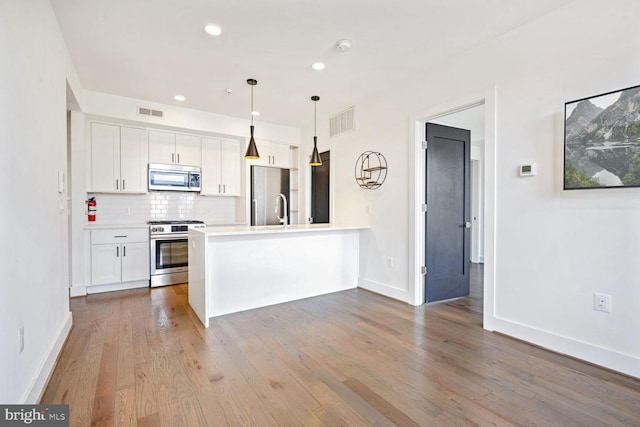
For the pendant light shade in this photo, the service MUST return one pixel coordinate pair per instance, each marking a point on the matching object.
(315, 157)
(252, 149)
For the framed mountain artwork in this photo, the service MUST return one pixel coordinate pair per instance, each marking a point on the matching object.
(602, 141)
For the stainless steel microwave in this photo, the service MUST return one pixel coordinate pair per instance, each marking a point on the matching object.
(174, 177)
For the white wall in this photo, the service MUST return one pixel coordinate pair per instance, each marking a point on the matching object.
(34, 238)
(553, 249)
(175, 118)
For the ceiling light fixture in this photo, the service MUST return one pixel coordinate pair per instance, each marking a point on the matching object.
(179, 98)
(252, 150)
(213, 29)
(318, 66)
(315, 157)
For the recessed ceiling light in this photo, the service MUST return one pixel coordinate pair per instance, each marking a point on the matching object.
(179, 98)
(255, 113)
(318, 66)
(213, 29)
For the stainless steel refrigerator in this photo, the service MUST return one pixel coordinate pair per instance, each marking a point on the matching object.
(266, 184)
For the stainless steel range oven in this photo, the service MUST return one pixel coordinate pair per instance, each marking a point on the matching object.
(169, 250)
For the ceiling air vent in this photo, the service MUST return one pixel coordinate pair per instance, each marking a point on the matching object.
(149, 112)
(342, 122)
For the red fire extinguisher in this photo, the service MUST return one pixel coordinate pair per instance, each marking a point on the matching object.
(91, 203)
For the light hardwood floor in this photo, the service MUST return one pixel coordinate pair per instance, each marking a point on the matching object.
(352, 358)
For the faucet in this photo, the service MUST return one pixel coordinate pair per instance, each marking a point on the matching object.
(284, 220)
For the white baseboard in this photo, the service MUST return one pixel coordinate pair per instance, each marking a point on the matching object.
(610, 359)
(117, 287)
(45, 370)
(383, 289)
(77, 291)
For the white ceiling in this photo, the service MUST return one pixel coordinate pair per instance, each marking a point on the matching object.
(155, 49)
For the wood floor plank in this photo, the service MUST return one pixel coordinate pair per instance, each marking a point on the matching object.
(125, 373)
(125, 410)
(145, 391)
(142, 358)
(383, 406)
(104, 401)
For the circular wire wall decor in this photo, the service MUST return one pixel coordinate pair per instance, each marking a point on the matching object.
(371, 170)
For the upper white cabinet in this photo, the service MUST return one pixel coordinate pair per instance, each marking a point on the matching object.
(273, 154)
(118, 159)
(220, 167)
(174, 148)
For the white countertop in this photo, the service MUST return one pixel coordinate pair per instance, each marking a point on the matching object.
(274, 229)
(114, 226)
(93, 226)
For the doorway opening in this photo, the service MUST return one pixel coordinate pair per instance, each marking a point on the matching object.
(447, 212)
(477, 109)
(320, 197)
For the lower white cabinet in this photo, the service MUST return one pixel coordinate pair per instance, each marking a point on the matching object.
(119, 256)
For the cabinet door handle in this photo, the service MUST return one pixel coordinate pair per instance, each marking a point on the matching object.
(124, 251)
(117, 187)
(224, 189)
(172, 158)
(117, 251)
(123, 185)
(123, 235)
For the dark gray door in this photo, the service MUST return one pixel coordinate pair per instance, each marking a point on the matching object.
(320, 190)
(447, 221)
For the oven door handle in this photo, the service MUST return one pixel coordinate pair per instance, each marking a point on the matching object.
(168, 236)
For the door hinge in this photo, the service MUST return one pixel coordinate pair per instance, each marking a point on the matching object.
(423, 270)
(424, 145)
(423, 207)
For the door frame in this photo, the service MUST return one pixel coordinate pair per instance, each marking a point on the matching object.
(417, 194)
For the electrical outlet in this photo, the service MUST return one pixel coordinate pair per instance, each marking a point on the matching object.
(21, 338)
(602, 302)
(127, 210)
(389, 262)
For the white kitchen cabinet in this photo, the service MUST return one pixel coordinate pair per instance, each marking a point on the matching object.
(174, 148)
(273, 154)
(118, 159)
(119, 256)
(220, 167)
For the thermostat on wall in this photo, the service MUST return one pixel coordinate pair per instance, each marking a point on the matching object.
(527, 169)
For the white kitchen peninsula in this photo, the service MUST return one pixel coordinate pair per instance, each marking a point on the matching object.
(239, 268)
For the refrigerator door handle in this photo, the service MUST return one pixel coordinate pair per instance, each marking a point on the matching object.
(255, 212)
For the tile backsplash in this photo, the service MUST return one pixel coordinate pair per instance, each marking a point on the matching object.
(164, 205)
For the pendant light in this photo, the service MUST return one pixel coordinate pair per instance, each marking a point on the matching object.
(252, 150)
(315, 157)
